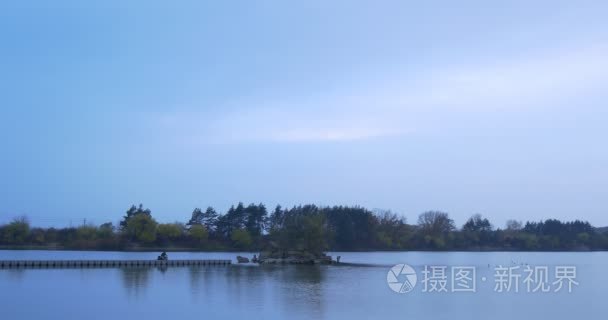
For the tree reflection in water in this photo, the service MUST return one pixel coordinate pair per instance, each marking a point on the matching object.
(291, 288)
(302, 289)
(135, 279)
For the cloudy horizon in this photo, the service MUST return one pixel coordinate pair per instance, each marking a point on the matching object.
(497, 109)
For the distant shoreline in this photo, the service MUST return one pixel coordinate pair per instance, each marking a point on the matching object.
(182, 249)
(309, 228)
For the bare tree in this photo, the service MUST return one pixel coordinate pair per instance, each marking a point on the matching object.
(514, 225)
(435, 222)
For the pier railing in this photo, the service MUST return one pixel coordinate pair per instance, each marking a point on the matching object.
(11, 264)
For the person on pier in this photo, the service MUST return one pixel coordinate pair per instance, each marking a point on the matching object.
(163, 256)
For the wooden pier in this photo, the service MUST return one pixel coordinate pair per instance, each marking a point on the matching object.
(45, 264)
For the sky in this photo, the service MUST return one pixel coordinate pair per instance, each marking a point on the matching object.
(490, 107)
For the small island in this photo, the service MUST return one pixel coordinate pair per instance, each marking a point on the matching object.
(294, 257)
(288, 257)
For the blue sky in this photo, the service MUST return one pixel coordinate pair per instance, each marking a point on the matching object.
(466, 107)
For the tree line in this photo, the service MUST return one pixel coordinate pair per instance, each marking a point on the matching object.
(307, 227)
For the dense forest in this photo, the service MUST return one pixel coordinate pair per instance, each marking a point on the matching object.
(306, 227)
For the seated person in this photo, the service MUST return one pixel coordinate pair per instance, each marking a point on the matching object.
(163, 256)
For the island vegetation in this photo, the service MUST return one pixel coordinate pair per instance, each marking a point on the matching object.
(308, 228)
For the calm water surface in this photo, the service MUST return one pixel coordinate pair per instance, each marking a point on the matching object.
(294, 292)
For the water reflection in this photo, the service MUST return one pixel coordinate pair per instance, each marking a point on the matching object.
(286, 289)
(135, 280)
(162, 268)
(16, 274)
(291, 289)
(302, 289)
(294, 292)
(201, 280)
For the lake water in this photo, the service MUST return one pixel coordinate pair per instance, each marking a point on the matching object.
(299, 292)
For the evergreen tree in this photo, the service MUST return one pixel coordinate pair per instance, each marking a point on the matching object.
(132, 212)
(196, 218)
(210, 217)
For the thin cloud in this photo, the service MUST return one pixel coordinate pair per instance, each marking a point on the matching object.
(543, 78)
(400, 105)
